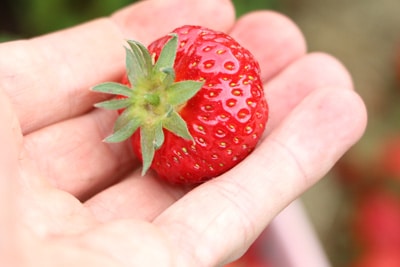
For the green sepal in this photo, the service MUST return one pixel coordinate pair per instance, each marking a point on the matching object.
(124, 127)
(114, 104)
(180, 92)
(114, 88)
(147, 140)
(138, 62)
(170, 76)
(167, 56)
(152, 99)
(159, 137)
(147, 59)
(175, 124)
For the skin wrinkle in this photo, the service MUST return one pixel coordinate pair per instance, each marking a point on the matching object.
(140, 195)
(103, 257)
(183, 255)
(190, 254)
(201, 253)
(99, 207)
(57, 159)
(228, 190)
(289, 154)
(79, 241)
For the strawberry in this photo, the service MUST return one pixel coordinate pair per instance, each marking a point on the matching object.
(197, 98)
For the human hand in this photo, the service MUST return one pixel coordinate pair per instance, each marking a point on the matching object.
(70, 199)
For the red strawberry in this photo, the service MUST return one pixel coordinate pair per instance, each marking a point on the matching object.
(197, 97)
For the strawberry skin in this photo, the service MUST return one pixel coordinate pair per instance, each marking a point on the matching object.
(193, 106)
(226, 117)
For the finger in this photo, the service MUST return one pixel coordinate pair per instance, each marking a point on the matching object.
(135, 197)
(151, 19)
(273, 39)
(48, 77)
(72, 155)
(126, 243)
(10, 143)
(53, 72)
(303, 76)
(240, 203)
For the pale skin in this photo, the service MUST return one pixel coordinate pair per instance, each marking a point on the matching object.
(69, 199)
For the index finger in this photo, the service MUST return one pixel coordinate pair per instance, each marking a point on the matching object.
(48, 77)
(241, 202)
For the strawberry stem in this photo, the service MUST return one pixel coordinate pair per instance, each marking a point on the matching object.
(152, 99)
(153, 102)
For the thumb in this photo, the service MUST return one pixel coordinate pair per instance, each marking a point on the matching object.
(10, 144)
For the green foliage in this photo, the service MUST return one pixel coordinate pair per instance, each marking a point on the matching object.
(245, 6)
(42, 16)
(35, 17)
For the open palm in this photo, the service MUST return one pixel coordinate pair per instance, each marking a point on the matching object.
(69, 198)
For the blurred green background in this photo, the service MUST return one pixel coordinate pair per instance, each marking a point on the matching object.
(20, 18)
(363, 34)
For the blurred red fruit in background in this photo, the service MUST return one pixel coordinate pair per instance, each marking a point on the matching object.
(376, 221)
(389, 162)
(382, 258)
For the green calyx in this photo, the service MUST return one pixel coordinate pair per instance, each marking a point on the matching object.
(153, 102)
